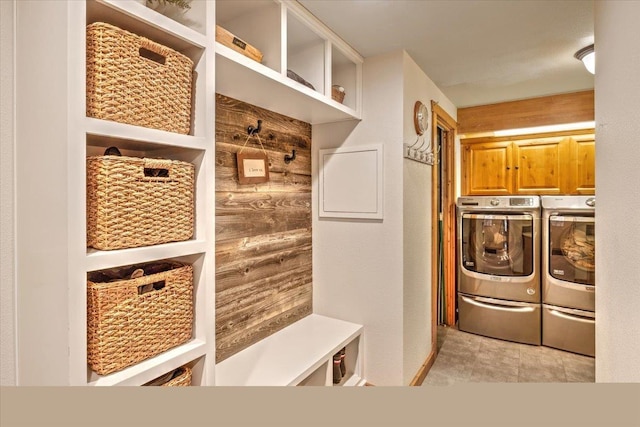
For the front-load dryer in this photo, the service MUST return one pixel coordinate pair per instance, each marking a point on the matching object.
(568, 273)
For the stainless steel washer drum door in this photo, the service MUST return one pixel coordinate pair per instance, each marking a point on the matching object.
(498, 255)
(498, 244)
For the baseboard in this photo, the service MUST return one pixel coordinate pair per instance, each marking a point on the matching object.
(424, 369)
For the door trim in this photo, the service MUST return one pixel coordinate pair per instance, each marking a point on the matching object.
(440, 118)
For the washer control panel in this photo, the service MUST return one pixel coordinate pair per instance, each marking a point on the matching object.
(521, 201)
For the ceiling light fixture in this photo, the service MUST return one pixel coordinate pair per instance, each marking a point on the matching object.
(588, 58)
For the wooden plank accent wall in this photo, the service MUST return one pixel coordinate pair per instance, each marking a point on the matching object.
(263, 231)
(546, 110)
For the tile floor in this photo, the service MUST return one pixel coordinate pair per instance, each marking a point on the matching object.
(470, 358)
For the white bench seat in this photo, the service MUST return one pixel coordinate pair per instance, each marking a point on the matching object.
(300, 353)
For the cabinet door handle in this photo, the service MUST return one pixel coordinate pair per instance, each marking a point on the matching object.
(508, 168)
(517, 167)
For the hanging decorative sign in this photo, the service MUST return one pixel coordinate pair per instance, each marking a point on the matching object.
(252, 168)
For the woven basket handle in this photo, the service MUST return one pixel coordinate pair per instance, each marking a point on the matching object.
(154, 52)
(157, 169)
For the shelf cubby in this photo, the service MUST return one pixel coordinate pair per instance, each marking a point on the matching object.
(143, 21)
(152, 368)
(290, 38)
(306, 53)
(196, 347)
(319, 377)
(344, 73)
(256, 22)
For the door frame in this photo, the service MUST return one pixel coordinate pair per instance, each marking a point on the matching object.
(440, 118)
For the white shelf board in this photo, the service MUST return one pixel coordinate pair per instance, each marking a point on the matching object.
(146, 22)
(242, 78)
(152, 368)
(106, 133)
(99, 260)
(288, 356)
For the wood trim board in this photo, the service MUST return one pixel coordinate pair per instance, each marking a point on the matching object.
(424, 369)
(547, 110)
(441, 118)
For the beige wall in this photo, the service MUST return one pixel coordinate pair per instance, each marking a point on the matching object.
(357, 264)
(617, 89)
(7, 251)
(417, 220)
(377, 273)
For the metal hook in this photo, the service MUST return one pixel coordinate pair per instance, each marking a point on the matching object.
(418, 149)
(290, 158)
(426, 150)
(254, 131)
(417, 139)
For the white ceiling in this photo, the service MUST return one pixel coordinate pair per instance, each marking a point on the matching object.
(476, 51)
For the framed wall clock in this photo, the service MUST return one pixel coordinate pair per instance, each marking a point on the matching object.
(420, 117)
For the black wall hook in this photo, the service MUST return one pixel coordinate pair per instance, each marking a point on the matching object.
(290, 158)
(252, 131)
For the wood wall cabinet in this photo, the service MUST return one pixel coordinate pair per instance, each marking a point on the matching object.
(537, 166)
(543, 165)
(583, 164)
(486, 168)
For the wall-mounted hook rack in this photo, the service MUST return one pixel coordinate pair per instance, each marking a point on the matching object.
(290, 158)
(419, 154)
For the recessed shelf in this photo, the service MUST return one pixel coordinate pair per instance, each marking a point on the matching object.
(319, 377)
(99, 260)
(344, 73)
(152, 368)
(104, 133)
(256, 22)
(242, 78)
(306, 53)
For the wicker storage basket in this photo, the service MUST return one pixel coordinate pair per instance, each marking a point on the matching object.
(130, 320)
(337, 94)
(133, 202)
(133, 80)
(180, 377)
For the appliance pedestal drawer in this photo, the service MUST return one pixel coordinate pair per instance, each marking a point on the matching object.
(507, 320)
(569, 329)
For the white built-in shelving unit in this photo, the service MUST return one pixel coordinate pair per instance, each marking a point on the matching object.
(290, 37)
(73, 137)
(54, 138)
